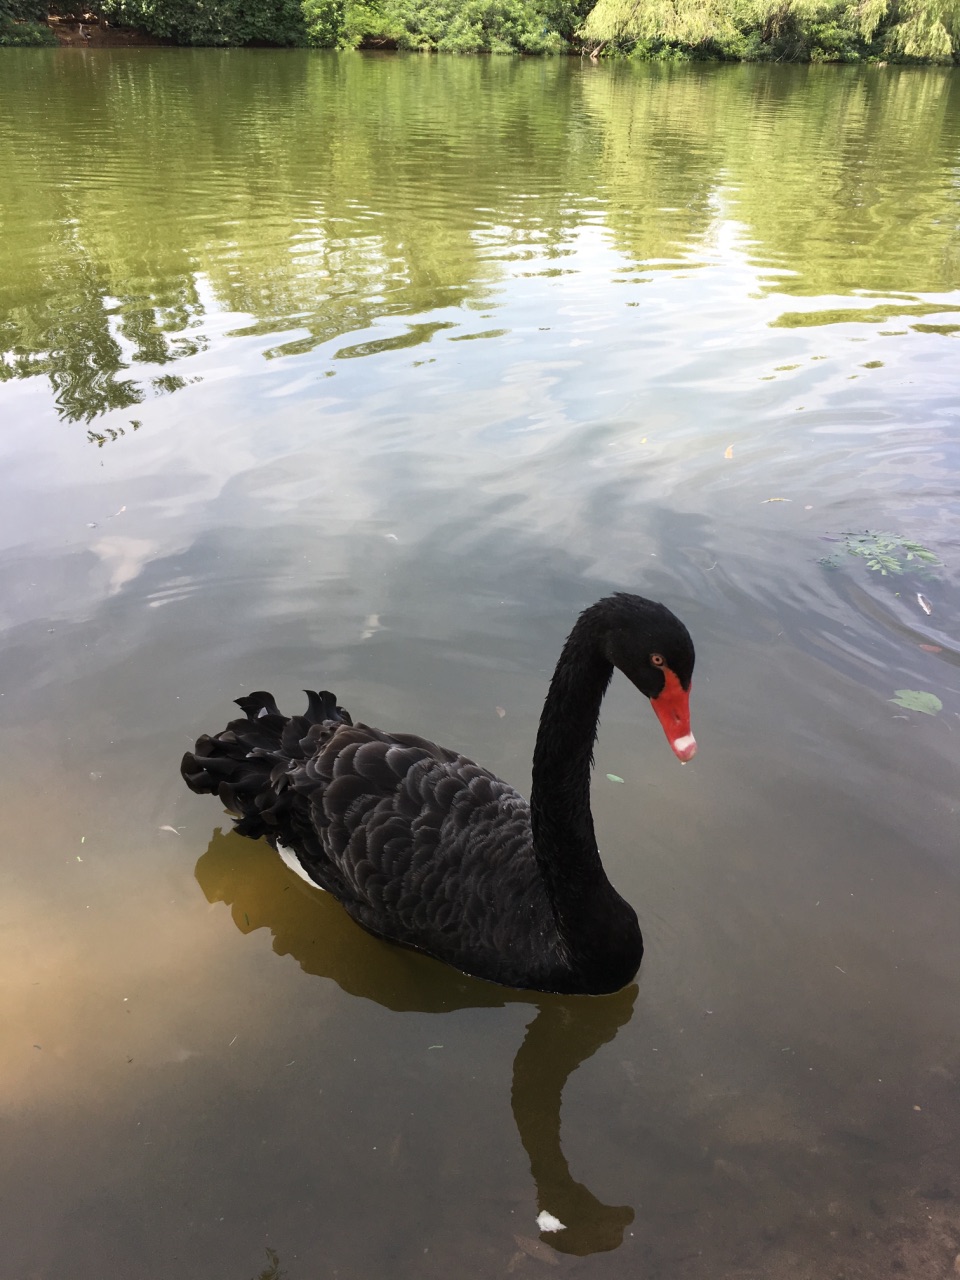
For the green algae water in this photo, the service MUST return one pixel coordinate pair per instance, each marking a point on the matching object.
(369, 372)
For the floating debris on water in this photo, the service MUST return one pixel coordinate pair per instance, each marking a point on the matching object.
(547, 1222)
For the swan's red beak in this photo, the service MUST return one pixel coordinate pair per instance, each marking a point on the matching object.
(673, 711)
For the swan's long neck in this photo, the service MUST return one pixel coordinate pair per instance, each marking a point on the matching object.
(563, 837)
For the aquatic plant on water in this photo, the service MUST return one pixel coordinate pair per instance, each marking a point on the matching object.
(885, 553)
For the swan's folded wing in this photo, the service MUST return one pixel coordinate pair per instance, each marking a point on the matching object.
(427, 848)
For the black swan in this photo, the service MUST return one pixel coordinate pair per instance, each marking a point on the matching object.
(425, 848)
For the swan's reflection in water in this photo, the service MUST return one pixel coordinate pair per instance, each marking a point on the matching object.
(566, 1031)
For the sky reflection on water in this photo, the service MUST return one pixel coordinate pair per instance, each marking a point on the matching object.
(711, 319)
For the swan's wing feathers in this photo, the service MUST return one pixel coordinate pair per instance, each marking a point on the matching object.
(428, 848)
(420, 844)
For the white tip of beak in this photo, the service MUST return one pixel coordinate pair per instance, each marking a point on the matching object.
(684, 748)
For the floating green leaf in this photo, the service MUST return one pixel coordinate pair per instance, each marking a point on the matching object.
(614, 777)
(918, 700)
(885, 553)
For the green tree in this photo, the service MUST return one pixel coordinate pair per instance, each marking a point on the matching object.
(796, 29)
(23, 22)
(22, 11)
(689, 22)
(219, 22)
(928, 29)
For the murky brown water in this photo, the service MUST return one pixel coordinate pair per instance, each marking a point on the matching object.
(370, 373)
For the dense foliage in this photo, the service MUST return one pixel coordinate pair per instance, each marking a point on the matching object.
(22, 11)
(748, 30)
(457, 26)
(448, 26)
(217, 22)
(26, 34)
(21, 23)
(781, 30)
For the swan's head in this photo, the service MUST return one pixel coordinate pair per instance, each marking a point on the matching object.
(653, 649)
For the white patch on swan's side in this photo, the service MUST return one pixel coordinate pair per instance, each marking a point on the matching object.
(547, 1222)
(293, 862)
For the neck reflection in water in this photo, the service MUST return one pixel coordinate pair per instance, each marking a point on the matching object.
(565, 1032)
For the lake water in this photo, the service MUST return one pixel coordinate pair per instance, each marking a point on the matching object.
(370, 372)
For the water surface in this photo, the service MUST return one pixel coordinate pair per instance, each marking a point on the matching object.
(370, 372)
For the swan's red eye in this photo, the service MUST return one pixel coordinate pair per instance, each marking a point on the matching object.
(657, 659)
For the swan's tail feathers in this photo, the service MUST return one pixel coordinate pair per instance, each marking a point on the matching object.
(249, 762)
(323, 706)
(259, 703)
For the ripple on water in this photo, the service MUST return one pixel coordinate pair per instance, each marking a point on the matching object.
(369, 373)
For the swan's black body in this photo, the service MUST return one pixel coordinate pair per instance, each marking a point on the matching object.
(427, 849)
